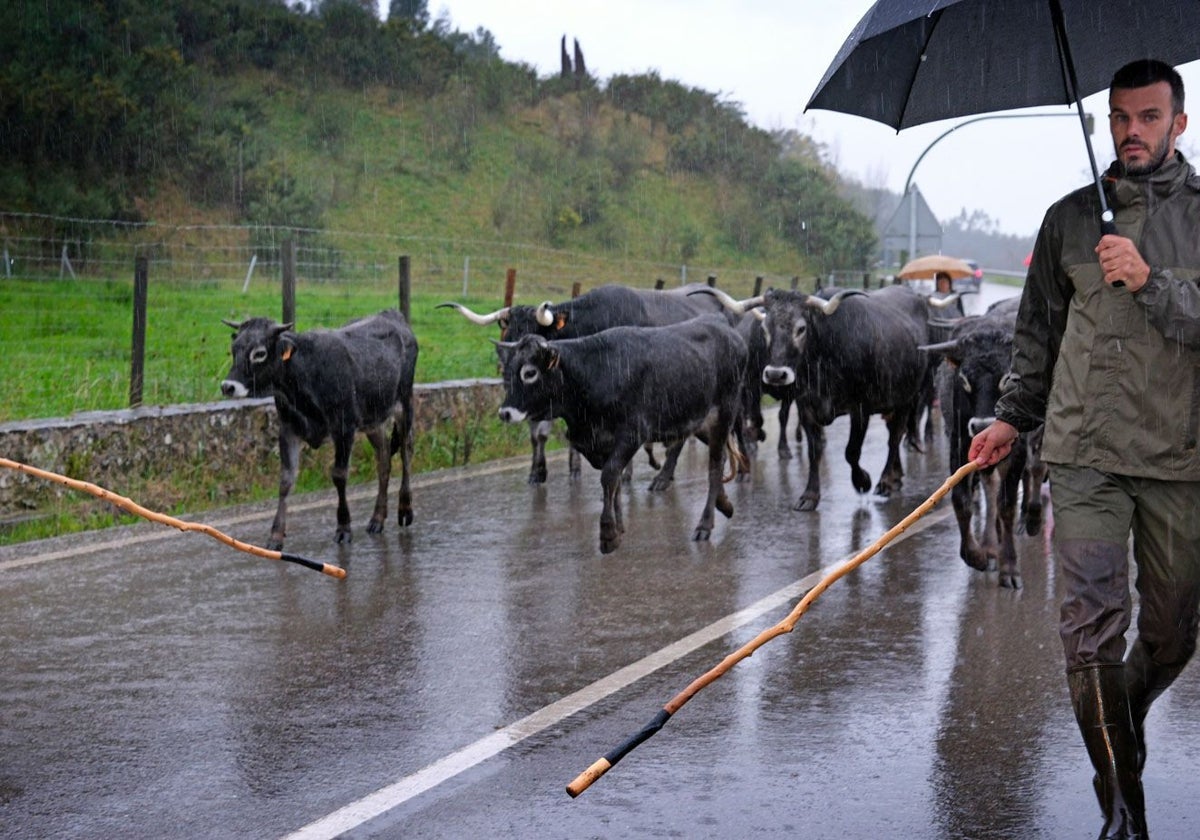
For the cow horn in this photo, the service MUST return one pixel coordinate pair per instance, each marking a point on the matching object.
(474, 318)
(828, 307)
(732, 304)
(545, 314)
(942, 303)
(234, 324)
(504, 345)
(940, 347)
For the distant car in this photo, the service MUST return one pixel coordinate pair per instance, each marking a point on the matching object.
(971, 284)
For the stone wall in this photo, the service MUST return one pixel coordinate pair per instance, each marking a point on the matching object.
(117, 449)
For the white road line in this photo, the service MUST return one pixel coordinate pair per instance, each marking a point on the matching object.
(386, 798)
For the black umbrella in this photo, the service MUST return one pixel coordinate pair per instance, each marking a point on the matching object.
(910, 62)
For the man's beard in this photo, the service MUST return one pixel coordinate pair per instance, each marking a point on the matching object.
(1157, 156)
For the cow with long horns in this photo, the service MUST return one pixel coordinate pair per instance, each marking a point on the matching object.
(331, 384)
(854, 353)
(626, 386)
(975, 359)
(591, 312)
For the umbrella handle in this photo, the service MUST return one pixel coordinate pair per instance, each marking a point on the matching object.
(1107, 226)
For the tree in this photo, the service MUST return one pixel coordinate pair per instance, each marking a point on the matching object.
(415, 12)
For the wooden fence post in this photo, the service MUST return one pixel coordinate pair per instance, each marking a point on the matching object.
(757, 286)
(510, 286)
(288, 264)
(405, 289)
(141, 277)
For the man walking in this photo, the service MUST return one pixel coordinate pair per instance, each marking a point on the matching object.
(1107, 354)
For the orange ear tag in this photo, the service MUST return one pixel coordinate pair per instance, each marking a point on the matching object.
(287, 352)
(560, 321)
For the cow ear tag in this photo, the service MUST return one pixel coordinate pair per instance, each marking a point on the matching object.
(287, 351)
(560, 321)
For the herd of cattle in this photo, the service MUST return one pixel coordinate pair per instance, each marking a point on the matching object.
(626, 368)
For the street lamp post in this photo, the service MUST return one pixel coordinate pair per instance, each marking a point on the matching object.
(911, 194)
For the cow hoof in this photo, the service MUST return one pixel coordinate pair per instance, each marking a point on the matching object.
(785, 454)
(537, 478)
(807, 503)
(343, 537)
(274, 544)
(404, 518)
(1010, 580)
(861, 480)
(701, 534)
(657, 485)
(886, 489)
(374, 527)
(1033, 521)
(609, 546)
(979, 561)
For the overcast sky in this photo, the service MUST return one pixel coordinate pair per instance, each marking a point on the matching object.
(769, 55)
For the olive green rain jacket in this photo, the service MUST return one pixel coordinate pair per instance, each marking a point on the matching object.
(1115, 375)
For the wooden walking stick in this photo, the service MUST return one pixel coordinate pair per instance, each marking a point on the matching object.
(601, 766)
(136, 509)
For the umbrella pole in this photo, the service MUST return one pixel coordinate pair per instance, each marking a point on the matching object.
(1072, 83)
(602, 765)
(133, 507)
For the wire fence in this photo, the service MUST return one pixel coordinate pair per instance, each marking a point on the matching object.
(67, 287)
(39, 246)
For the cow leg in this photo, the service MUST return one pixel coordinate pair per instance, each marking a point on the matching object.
(892, 477)
(289, 462)
(962, 497)
(402, 441)
(1006, 514)
(611, 525)
(383, 472)
(342, 444)
(811, 497)
(859, 477)
(664, 478)
(539, 432)
(785, 410)
(648, 448)
(717, 500)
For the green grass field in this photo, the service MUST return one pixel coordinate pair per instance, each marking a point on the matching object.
(67, 344)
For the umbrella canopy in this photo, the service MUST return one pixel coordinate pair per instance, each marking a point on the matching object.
(909, 63)
(926, 268)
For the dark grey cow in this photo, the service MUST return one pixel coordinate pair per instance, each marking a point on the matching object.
(627, 386)
(331, 384)
(591, 312)
(855, 353)
(974, 360)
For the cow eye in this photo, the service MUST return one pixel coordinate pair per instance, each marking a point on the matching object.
(529, 374)
(258, 355)
(966, 383)
(798, 333)
(766, 331)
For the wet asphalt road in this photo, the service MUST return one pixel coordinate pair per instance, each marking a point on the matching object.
(158, 684)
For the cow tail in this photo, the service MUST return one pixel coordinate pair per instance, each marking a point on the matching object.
(738, 462)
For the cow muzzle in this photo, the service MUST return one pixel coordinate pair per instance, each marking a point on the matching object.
(508, 414)
(233, 389)
(778, 375)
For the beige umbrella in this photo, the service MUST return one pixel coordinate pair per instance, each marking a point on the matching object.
(926, 268)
